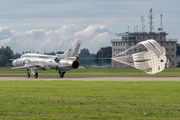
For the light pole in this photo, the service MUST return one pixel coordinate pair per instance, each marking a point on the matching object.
(99, 55)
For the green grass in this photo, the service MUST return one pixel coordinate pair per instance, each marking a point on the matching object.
(89, 100)
(90, 72)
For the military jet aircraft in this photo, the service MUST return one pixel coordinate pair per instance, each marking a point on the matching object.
(61, 62)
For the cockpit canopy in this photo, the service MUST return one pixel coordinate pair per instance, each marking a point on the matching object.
(37, 56)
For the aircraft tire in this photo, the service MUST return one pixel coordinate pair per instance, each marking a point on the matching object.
(28, 75)
(61, 74)
(36, 75)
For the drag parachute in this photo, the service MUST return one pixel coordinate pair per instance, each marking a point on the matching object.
(147, 56)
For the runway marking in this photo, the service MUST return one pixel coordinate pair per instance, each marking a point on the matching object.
(94, 78)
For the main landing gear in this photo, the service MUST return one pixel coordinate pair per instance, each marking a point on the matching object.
(36, 75)
(33, 71)
(28, 74)
(61, 74)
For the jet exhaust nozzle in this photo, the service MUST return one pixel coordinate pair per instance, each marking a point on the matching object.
(75, 64)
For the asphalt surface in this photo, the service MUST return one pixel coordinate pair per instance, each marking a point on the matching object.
(96, 78)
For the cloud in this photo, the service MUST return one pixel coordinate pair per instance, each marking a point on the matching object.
(93, 37)
(4, 33)
(92, 30)
(23, 15)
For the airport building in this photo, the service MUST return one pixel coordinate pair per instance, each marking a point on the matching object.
(129, 39)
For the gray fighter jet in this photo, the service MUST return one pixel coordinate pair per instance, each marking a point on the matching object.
(61, 62)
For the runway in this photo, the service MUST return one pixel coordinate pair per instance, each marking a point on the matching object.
(94, 78)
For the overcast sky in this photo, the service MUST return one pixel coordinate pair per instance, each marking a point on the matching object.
(52, 25)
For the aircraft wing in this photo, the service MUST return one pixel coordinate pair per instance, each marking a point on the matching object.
(29, 67)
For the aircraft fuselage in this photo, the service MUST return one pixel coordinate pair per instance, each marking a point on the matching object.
(43, 61)
(61, 62)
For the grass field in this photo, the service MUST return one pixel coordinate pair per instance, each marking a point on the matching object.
(89, 100)
(89, 72)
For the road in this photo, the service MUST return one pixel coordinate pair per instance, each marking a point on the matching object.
(96, 78)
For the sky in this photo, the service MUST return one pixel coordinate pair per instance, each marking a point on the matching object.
(53, 25)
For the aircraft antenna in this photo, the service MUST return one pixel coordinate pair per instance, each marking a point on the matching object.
(136, 28)
(142, 19)
(161, 24)
(151, 23)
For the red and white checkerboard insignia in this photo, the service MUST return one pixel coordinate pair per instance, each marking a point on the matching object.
(73, 47)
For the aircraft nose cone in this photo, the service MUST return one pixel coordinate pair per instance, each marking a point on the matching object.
(14, 63)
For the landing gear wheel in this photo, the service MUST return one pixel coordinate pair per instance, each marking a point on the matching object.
(61, 74)
(36, 75)
(28, 75)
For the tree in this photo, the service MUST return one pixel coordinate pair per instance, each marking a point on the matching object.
(59, 52)
(3, 60)
(106, 54)
(5, 55)
(84, 53)
(178, 49)
(17, 55)
(85, 57)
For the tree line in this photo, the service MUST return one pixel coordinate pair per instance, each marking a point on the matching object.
(101, 58)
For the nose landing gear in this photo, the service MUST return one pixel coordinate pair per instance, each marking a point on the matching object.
(33, 72)
(28, 75)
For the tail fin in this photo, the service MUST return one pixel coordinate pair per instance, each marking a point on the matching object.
(73, 50)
